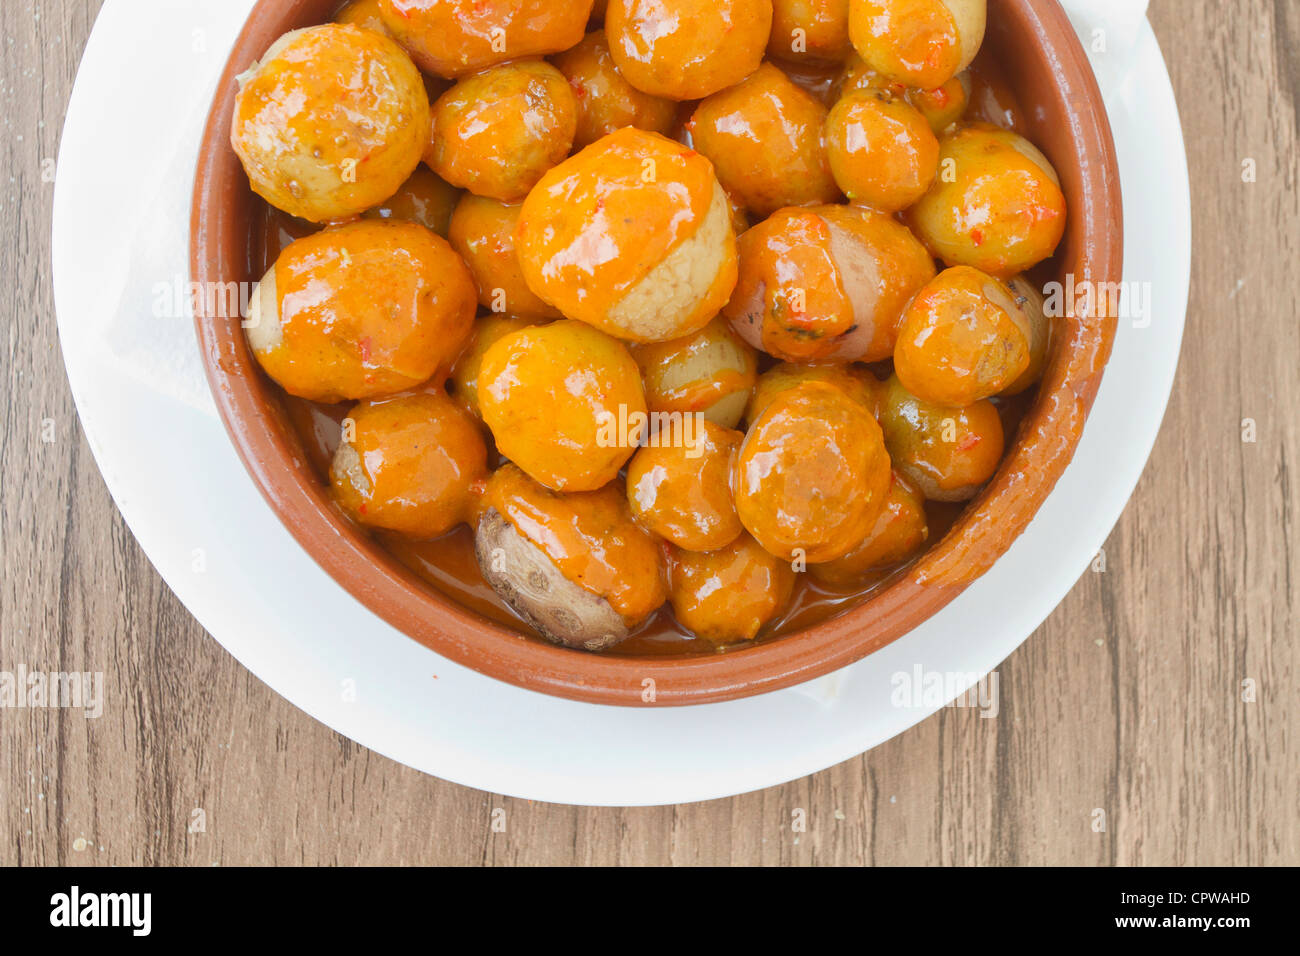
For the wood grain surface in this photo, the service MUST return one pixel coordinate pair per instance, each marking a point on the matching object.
(1128, 700)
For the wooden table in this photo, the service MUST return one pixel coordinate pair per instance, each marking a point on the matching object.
(1127, 700)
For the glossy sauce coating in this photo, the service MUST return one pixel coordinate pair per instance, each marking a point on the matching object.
(814, 31)
(412, 463)
(599, 224)
(729, 595)
(606, 101)
(711, 372)
(687, 49)
(497, 132)
(681, 489)
(337, 340)
(941, 106)
(914, 42)
(1003, 210)
(482, 231)
(812, 475)
(881, 150)
(557, 397)
(331, 122)
(464, 373)
(899, 533)
(948, 453)
(963, 338)
(424, 198)
(764, 138)
(363, 13)
(591, 538)
(453, 38)
(855, 381)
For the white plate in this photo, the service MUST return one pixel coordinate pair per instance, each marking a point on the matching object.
(121, 214)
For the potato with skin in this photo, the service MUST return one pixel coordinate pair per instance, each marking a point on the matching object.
(941, 106)
(897, 535)
(363, 13)
(856, 381)
(963, 338)
(464, 372)
(424, 198)
(947, 453)
(1029, 297)
(633, 236)
(826, 283)
(810, 31)
(317, 328)
(453, 38)
(681, 489)
(330, 122)
(881, 150)
(482, 231)
(411, 463)
(556, 396)
(687, 49)
(727, 596)
(575, 566)
(812, 474)
(919, 43)
(606, 100)
(497, 132)
(764, 138)
(1002, 210)
(711, 372)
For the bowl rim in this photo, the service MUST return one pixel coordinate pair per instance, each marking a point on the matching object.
(271, 454)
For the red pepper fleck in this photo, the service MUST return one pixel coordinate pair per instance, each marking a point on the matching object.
(977, 237)
(363, 346)
(969, 442)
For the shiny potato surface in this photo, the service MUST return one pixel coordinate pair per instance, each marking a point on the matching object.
(826, 283)
(997, 204)
(495, 133)
(687, 49)
(881, 150)
(482, 231)
(812, 474)
(764, 138)
(680, 488)
(727, 596)
(1029, 297)
(453, 38)
(920, 43)
(606, 101)
(941, 106)
(424, 198)
(856, 381)
(363, 13)
(331, 122)
(633, 236)
(411, 463)
(948, 453)
(556, 397)
(898, 534)
(319, 330)
(711, 371)
(464, 372)
(810, 31)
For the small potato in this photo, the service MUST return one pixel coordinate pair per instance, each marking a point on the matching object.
(963, 338)
(711, 372)
(411, 463)
(564, 402)
(687, 49)
(728, 595)
(827, 283)
(681, 489)
(482, 231)
(856, 381)
(464, 373)
(453, 38)
(919, 43)
(897, 535)
(363, 13)
(606, 101)
(317, 328)
(810, 31)
(882, 151)
(948, 453)
(575, 566)
(1029, 297)
(331, 122)
(941, 106)
(424, 198)
(764, 138)
(497, 132)
(633, 236)
(1001, 210)
(812, 474)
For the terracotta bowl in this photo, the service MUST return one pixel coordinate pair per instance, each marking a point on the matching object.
(1043, 63)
